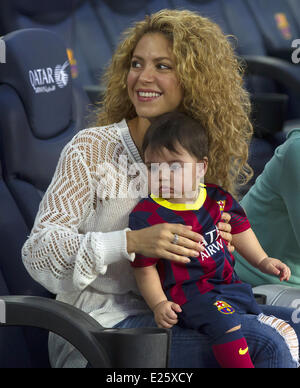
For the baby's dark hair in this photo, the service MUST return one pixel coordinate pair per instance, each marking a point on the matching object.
(173, 128)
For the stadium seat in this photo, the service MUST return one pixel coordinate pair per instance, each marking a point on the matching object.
(279, 28)
(295, 9)
(20, 347)
(277, 24)
(116, 16)
(281, 295)
(76, 22)
(212, 9)
(41, 109)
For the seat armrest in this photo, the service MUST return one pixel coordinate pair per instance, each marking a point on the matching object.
(102, 348)
(72, 324)
(277, 69)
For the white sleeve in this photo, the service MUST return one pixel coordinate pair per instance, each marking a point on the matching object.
(55, 254)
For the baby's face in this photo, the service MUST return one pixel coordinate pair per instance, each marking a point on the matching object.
(174, 175)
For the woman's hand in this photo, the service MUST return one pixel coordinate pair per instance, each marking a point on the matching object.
(157, 241)
(165, 314)
(225, 230)
(275, 267)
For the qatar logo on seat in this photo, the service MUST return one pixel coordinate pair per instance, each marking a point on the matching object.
(46, 80)
(60, 75)
(2, 51)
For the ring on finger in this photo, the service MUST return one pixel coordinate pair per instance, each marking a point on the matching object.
(175, 239)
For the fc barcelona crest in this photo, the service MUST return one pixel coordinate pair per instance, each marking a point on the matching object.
(221, 205)
(224, 307)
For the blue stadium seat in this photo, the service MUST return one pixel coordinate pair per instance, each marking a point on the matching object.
(41, 109)
(75, 21)
(156, 5)
(212, 9)
(279, 28)
(295, 9)
(116, 16)
(20, 347)
(277, 24)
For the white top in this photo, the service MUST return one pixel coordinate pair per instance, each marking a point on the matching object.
(77, 247)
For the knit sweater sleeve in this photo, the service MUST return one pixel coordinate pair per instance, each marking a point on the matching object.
(56, 254)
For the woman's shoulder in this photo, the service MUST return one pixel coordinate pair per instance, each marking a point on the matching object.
(107, 133)
(96, 144)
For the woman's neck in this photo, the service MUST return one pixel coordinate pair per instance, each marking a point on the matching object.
(138, 128)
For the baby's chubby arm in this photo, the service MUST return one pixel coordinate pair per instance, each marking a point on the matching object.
(150, 287)
(248, 246)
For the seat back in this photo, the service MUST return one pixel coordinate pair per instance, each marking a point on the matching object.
(74, 21)
(208, 8)
(279, 28)
(116, 16)
(19, 347)
(277, 24)
(40, 109)
(295, 9)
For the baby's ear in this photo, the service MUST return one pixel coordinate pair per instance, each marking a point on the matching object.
(202, 167)
(205, 162)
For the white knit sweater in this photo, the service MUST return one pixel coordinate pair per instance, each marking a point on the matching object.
(77, 247)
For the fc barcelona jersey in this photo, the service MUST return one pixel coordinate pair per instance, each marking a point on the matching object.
(214, 267)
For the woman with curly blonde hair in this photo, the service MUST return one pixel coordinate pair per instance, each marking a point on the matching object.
(210, 77)
(80, 247)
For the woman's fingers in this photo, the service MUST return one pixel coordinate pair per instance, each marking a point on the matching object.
(186, 232)
(225, 230)
(226, 217)
(186, 237)
(226, 236)
(172, 257)
(185, 247)
(160, 241)
(230, 247)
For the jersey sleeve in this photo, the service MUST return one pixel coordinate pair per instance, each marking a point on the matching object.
(136, 222)
(239, 221)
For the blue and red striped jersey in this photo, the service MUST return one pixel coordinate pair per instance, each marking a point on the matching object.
(215, 265)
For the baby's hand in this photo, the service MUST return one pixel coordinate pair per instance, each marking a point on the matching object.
(272, 266)
(165, 314)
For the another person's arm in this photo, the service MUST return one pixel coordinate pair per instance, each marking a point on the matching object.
(289, 188)
(156, 241)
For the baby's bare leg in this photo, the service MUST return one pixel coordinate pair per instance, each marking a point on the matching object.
(234, 329)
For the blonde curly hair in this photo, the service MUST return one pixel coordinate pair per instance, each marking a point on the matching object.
(211, 77)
